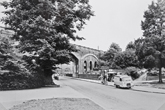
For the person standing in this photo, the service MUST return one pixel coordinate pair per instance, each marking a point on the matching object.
(103, 77)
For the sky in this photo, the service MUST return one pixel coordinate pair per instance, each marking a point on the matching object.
(117, 21)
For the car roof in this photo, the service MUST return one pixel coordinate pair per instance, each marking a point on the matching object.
(122, 76)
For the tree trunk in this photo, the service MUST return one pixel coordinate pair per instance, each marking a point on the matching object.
(49, 80)
(160, 75)
(160, 70)
(48, 76)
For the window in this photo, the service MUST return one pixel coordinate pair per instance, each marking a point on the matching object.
(95, 64)
(90, 65)
(85, 66)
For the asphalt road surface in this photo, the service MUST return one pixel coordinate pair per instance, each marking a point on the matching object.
(111, 98)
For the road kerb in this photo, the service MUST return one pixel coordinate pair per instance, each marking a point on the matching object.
(134, 89)
(142, 90)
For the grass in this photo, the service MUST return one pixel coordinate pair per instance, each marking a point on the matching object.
(154, 77)
(154, 84)
(58, 104)
(158, 85)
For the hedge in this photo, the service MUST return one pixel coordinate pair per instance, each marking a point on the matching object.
(13, 81)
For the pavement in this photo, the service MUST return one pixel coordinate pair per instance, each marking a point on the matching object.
(134, 88)
(14, 97)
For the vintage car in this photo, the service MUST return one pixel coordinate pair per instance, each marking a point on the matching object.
(123, 81)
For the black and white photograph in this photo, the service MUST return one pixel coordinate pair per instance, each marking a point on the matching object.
(82, 54)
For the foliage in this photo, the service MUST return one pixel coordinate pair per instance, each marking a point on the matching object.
(149, 62)
(133, 72)
(44, 28)
(115, 47)
(6, 57)
(139, 51)
(14, 81)
(103, 63)
(13, 71)
(125, 59)
(146, 55)
(16, 75)
(131, 46)
(110, 54)
(117, 59)
(153, 43)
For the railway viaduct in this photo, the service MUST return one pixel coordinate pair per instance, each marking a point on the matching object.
(85, 60)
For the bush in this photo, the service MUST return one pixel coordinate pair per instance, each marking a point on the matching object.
(15, 71)
(17, 81)
(11, 66)
(132, 71)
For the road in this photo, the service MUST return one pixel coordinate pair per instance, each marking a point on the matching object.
(111, 98)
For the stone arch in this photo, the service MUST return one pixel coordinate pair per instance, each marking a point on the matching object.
(75, 63)
(75, 55)
(89, 55)
(90, 60)
(80, 59)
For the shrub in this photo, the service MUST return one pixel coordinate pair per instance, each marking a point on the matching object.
(13, 81)
(132, 71)
(11, 65)
(15, 72)
(22, 78)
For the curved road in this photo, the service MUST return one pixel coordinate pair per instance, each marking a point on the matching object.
(111, 98)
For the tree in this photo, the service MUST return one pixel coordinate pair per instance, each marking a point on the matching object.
(14, 72)
(125, 59)
(144, 54)
(153, 28)
(44, 28)
(5, 50)
(118, 61)
(130, 45)
(110, 54)
(103, 63)
(115, 47)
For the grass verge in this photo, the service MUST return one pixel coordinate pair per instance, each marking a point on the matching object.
(58, 104)
(153, 84)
